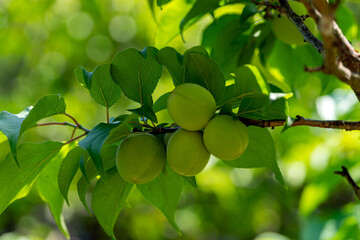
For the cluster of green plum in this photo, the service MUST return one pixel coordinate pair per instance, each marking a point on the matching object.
(142, 156)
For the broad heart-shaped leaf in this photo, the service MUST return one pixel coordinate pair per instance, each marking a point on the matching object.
(194, 67)
(48, 189)
(16, 182)
(137, 73)
(161, 102)
(260, 152)
(164, 193)
(100, 85)
(68, 169)
(10, 125)
(200, 8)
(47, 106)
(94, 141)
(108, 199)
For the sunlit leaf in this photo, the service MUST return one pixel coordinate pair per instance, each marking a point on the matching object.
(48, 189)
(199, 9)
(16, 182)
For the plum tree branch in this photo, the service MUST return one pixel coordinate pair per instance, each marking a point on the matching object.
(298, 121)
(340, 58)
(345, 173)
(301, 121)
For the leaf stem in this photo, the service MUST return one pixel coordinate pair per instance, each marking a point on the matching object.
(107, 115)
(76, 138)
(345, 173)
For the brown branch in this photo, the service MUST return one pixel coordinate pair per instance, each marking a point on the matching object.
(340, 58)
(301, 121)
(345, 173)
(300, 25)
(298, 121)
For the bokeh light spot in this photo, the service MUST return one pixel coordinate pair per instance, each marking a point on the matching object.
(99, 48)
(80, 25)
(122, 28)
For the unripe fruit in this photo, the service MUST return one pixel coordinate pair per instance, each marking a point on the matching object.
(191, 106)
(167, 138)
(186, 153)
(140, 158)
(286, 31)
(226, 138)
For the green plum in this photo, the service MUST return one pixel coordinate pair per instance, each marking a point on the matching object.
(191, 106)
(140, 158)
(186, 153)
(286, 31)
(226, 138)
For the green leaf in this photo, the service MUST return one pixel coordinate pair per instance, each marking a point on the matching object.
(83, 77)
(68, 169)
(175, 62)
(265, 107)
(82, 187)
(146, 111)
(49, 191)
(194, 67)
(205, 72)
(122, 130)
(16, 182)
(260, 152)
(191, 181)
(47, 106)
(161, 102)
(164, 193)
(162, 2)
(249, 11)
(199, 9)
(137, 73)
(106, 207)
(93, 142)
(102, 88)
(167, 21)
(10, 125)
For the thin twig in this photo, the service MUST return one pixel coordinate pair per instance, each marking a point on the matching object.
(76, 138)
(72, 118)
(345, 173)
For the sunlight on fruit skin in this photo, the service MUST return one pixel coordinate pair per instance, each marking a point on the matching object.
(186, 153)
(191, 106)
(286, 31)
(140, 158)
(226, 138)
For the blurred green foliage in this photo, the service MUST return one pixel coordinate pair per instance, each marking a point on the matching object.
(43, 41)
